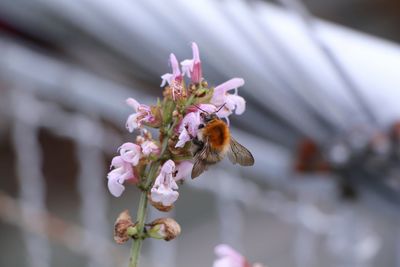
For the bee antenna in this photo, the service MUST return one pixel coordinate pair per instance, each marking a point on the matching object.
(201, 109)
(220, 108)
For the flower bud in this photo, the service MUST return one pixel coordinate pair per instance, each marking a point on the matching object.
(164, 228)
(204, 84)
(123, 227)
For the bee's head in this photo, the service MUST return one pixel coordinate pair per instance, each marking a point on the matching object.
(208, 116)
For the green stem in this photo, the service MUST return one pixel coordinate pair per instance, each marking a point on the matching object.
(142, 209)
(150, 177)
(137, 243)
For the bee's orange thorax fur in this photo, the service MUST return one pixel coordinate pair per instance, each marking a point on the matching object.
(218, 135)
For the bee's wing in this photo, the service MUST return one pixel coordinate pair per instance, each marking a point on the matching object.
(239, 154)
(200, 161)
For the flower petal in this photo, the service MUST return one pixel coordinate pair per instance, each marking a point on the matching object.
(238, 102)
(149, 147)
(229, 85)
(210, 108)
(133, 103)
(116, 162)
(131, 153)
(175, 65)
(196, 54)
(183, 170)
(164, 195)
(228, 257)
(115, 187)
(187, 66)
(168, 167)
(166, 78)
(183, 138)
(131, 122)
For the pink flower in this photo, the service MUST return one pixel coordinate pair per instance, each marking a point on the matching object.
(164, 187)
(122, 171)
(228, 257)
(192, 67)
(173, 79)
(131, 153)
(183, 170)
(231, 102)
(188, 128)
(176, 73)
(142, 115)
(190, 124)
(149, 147)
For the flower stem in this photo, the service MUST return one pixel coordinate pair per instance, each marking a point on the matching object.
(137, 243)
(141, 217)
(142, 209)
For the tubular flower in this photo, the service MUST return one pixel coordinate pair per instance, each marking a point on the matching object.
(229, 257)
(143, 115)
(131, 153)
(163, 193)
(190, 124)
(122, 171)
(188, 128)
(231, 102)
(176, 73)
(192, 67)
(173, 79)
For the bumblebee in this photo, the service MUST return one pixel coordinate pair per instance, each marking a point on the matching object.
(213, 142)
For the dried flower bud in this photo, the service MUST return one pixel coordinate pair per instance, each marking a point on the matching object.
(164, 228)
(123, 227)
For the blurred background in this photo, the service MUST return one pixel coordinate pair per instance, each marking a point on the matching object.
(322, 120)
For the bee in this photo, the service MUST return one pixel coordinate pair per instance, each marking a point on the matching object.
(213, 142)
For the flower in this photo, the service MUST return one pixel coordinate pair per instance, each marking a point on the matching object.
(192, 67)
(228, 257)
(173, 79)
(188, 128)
(143, 115)
(176, 73)
(164, 228)
(190, 124)
(230, 101)
(183, 170)
(131, 153)
(149, 147)
(123, 171)
(163, 193)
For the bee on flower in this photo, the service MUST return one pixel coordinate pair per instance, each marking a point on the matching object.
(192, 121)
